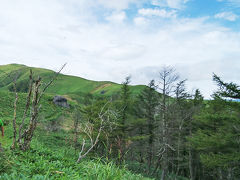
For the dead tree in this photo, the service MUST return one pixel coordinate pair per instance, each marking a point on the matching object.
(35, 93)
(77, 118)
(28, 99)
(13, 76)
(15, 113)
(167, 80)
(91, 133)
(28, 133)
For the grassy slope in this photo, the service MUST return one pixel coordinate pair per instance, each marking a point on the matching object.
(52, 155)
(65, 84)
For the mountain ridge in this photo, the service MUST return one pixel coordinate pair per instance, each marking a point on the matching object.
(64, 85)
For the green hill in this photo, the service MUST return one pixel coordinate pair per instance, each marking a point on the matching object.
(64, 85)
(52, 155)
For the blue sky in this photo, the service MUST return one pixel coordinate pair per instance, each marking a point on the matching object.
(224, 12)
(110, 39)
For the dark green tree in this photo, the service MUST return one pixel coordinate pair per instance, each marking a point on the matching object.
(217, 134)
(125, 101)
(230, 90)
(194, 165)
(121, 133)
(147, 108)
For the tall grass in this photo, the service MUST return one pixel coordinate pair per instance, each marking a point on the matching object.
(42, 163)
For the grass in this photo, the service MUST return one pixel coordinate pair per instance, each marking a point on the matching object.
(43, 163)
(51, 155)
(65, 84)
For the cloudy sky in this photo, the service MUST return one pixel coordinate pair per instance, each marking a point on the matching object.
(110, 39)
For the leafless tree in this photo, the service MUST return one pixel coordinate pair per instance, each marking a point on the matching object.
(35, 93)
(28, 99)
(167, 82)
(13, 76)
(15, 112)
(92, 133)
(77, 118)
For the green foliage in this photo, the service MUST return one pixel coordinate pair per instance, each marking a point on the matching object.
(4, 165)
(143, 168)
(217, 135)
(202, 141)
(52, 155)
(43, 163)
(230, 90)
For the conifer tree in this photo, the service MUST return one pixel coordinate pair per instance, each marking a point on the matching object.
(125, 100)
(230, 90)
(167, 81)
(217, 133)
(121, 134)
(148, 102)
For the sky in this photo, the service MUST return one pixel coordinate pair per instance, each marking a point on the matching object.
(111, 39)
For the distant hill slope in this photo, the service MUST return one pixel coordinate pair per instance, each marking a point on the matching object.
(64, 85)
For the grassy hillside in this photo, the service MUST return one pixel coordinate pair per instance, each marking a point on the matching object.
(52, 155)
(64, 85)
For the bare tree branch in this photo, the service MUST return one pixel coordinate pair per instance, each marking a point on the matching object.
(15, 113)
(27, 105)
(88, 130)
(50, 82)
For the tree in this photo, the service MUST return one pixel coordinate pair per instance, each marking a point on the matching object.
(167, 80)
(125, 95)
(77, 117)
(217, 138)
(230, 90)
(93, 126)
(148, 101)
(13, 77)
(123, 113)
(33, 100)
(179, 113)
(217, 133)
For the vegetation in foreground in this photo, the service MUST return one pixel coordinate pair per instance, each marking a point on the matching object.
(44, 162)
(52, 155)
(114, 133)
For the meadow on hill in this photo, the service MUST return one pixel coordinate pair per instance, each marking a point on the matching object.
(52, 155)
(117, 131)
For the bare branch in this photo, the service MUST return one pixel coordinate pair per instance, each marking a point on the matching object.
(88, 130)
(27, 105)
(15, 113)
(50, 82)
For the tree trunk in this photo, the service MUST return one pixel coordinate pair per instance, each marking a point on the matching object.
(164, 134)
(15, 116)
(190, 164)
(26, 107)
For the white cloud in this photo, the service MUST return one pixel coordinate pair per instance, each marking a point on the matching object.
(157, 12)
(48, 33)
(117, 4)
(230, 16)
(234, 3)
(140, 21)
(175, 4)
(117, 17)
